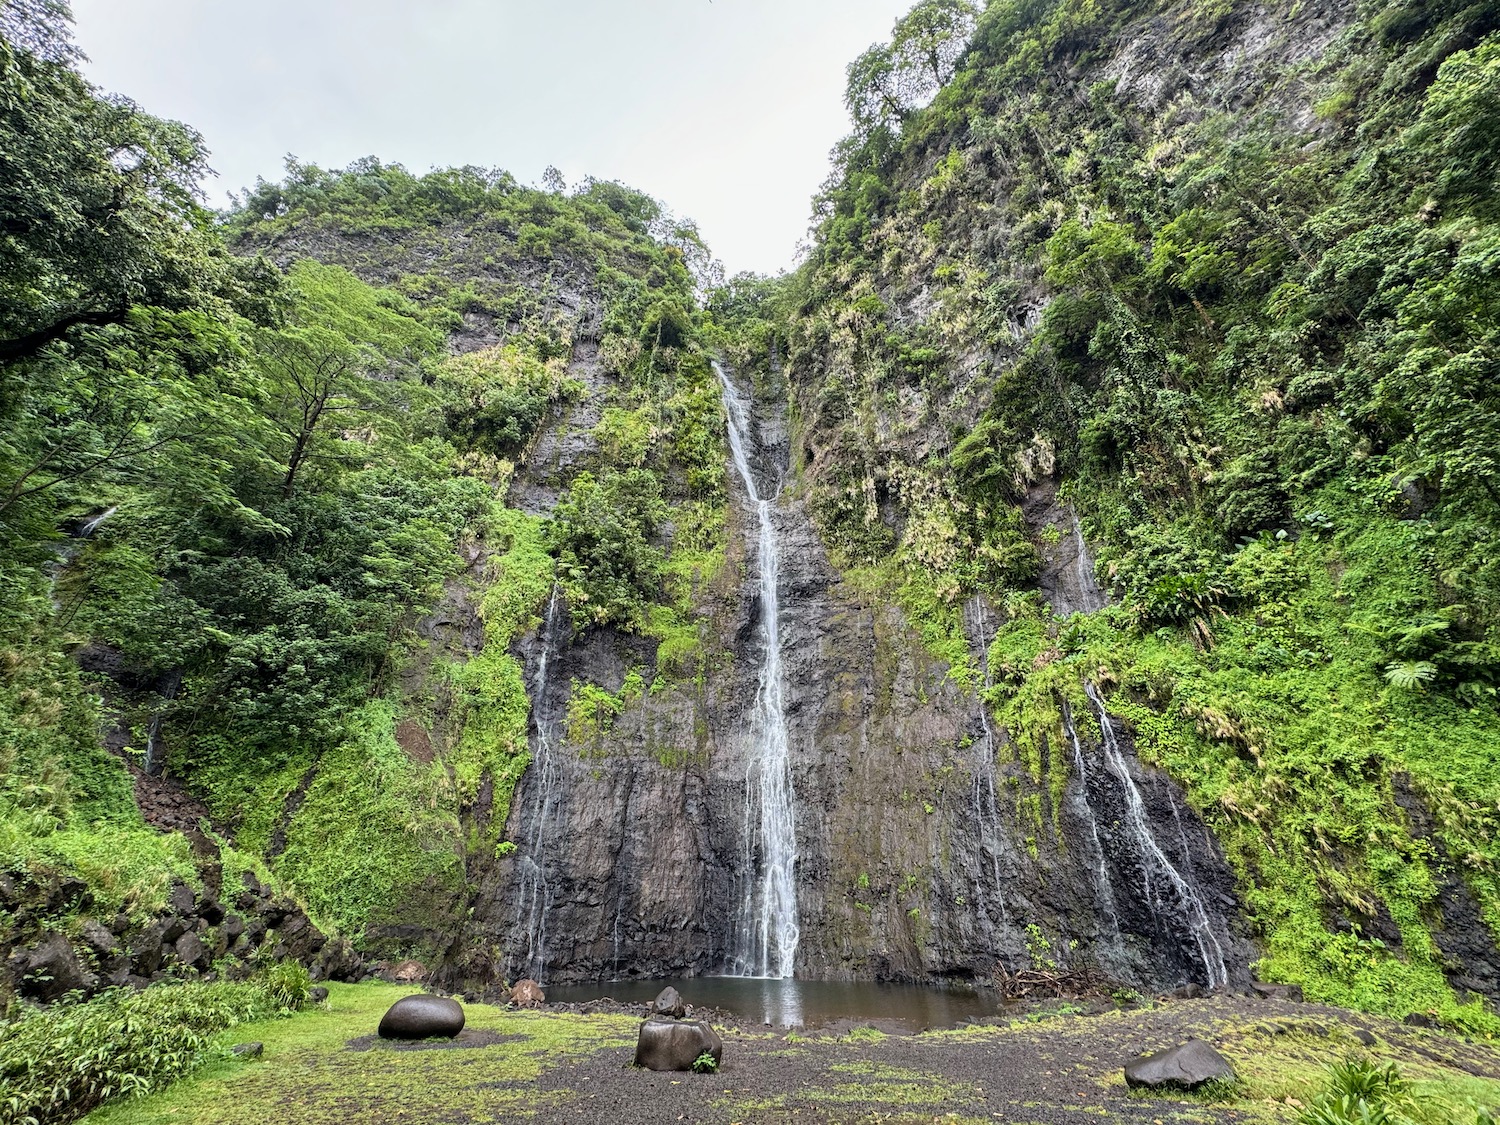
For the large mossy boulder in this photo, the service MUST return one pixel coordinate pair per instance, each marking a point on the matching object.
(676, 1044)
(423, 1017)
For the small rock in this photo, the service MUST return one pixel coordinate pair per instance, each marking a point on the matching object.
(317, 995)
(527, 994)
(1419, 1019)
(1188, 992)
(422, 1017)
(1267, 991)
(669, 1003)
(98, 938)
(181, 898)
(248, 1050)
(1186, 1067)
(676, 1044)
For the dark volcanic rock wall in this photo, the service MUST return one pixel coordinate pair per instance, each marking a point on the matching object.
(916, 858)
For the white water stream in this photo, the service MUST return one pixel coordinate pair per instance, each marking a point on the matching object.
(535, 894)
(1189, 904)
(1085, 812)
(768, 930)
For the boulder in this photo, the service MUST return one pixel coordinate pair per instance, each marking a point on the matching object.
(338, 961)
(50, 970)
(1187, 1067)
(423, 1017)
(191, 951)
(676, 1044)
(527, 994)
(1277, 991)
(98, 938)
(669, 1003)
(146, 949)
(181, 899)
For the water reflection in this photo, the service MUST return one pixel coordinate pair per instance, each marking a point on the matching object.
(804, 1003)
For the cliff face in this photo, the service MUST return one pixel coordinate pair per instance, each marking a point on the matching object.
(1137, 283)
(918, 857)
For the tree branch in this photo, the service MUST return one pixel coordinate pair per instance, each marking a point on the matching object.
(24, 347)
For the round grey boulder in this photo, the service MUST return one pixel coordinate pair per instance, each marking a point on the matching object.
(676, 1044)
(423, 1017)
(669, 1003)
(1187, 1067)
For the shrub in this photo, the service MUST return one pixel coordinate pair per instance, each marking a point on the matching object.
(57, 1063)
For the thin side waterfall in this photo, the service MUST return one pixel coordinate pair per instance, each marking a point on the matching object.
(768, 930)
(170, 687)
(535, 894)
(1092, 596)
(1085, 812)
(1189, 904)
(986, 803)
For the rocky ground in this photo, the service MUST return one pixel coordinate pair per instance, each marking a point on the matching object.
(1051, 1066)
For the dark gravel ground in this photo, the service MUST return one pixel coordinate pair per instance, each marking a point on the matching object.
(1042, 1069)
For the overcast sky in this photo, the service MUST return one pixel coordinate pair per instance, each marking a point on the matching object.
(723, 109)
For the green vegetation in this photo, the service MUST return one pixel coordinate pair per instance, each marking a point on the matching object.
(282, 470)
(59, 1062)
(1257, 352)
(330, 1057)
(1360, 1091)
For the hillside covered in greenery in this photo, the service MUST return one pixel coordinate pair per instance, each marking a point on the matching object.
(302, 503)
(243, 455)
(1226, 274)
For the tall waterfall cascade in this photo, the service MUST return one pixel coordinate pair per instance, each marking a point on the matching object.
(535, 895)
(767, 929)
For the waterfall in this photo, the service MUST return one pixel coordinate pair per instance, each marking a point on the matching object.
(767, 934)
(1092, 599)
(986, 803)
(1188, 903)
(170, 687)
(535, 894)
(1085, 812)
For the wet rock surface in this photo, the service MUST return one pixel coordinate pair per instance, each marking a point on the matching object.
(1190, 1066)
(924, 850)
(676, 1044)
(422, 1017)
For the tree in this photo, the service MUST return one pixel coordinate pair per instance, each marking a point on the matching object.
(340, 356)
(99, 211)
(892, 80)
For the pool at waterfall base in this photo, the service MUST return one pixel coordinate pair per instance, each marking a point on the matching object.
(809, 1004)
